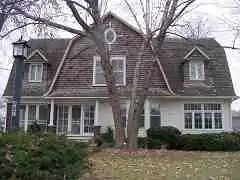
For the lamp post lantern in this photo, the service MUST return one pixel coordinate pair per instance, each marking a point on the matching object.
(19, 53)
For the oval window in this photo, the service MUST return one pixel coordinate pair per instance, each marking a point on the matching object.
(110, 36)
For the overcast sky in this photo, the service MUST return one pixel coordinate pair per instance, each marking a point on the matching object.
(218, 14)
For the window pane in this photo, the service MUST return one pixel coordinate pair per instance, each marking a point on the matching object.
(119, 77)
(199, 70)
(89, 110)
(32, 72)
(193, 71)
(99, 79)
(198, 120)
(62, 121)
(98, 67)
(117, 65)
(76, 119)
(188, 120)
(155, 121)
(38, 72)
(218, 120)
(31, 114)
(196, 71)
(155, 116)
(212, 107)
(192, 106)
(43, 115)
(208, 120)
(22, 116)
(155, 110)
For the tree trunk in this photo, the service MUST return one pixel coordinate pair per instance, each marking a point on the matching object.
(112, 90)
(132, 127)
(135, 110)
(3, 18)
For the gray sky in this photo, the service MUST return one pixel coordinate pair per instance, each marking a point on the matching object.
(218, 14)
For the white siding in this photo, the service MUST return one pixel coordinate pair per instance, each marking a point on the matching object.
(172, 114)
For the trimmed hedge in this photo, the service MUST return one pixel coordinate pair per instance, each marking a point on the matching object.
(210, 142)
(171, 137)
(41, 157)
(165, 135)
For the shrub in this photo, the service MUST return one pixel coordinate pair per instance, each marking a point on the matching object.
(142, 142)
(35, 128)
(41, 157)
(210, 142)
(166, 135)
(108, 137)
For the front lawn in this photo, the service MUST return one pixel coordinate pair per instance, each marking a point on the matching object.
(169, 165)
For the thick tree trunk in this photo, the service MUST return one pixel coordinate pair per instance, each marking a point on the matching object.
(136, 106)
(112, 90)
(132, 127)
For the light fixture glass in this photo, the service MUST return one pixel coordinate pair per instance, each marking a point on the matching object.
(20, 48)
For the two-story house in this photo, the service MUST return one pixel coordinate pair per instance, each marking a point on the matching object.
(64, 86)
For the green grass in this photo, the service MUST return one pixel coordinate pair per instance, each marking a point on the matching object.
(170, 165)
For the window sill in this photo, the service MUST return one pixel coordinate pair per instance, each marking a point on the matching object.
(104, 85)
(31, 81)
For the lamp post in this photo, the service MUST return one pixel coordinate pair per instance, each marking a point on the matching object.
(19, 53)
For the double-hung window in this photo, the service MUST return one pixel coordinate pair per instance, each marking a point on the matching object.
(119, 70)
(196, 70)
(35, 72)
(203, 116)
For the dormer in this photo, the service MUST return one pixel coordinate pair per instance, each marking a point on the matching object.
(195, 65)
(35, 64)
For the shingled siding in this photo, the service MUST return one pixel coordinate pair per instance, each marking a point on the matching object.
(77, 71)
(218, 76)
(53, 50)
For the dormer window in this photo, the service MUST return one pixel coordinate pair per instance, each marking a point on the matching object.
(35, 72)
(196, 70)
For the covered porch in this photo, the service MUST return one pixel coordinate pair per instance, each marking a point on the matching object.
(67, 117)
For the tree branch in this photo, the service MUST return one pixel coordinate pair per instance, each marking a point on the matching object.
(50, 23)
(19, 27)
(77, 16)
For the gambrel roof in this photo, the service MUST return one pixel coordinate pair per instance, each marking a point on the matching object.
(70, 72)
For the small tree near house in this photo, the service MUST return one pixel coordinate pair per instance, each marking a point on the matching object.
(158, 17)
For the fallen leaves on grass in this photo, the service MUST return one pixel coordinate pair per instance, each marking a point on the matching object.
(167, 165)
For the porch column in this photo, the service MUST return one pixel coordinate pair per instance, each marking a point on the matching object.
(51, 113)
(26, 118)
(5, 116)
(37, 112)
(96, 114)
(147, 114)
(69, 128)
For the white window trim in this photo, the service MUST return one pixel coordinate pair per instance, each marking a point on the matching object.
(98, 58)
(202, 111)
(30, 69)
(190, 71)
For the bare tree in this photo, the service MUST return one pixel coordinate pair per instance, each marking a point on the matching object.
(11, 20)
(158, 16)
(194, 29)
